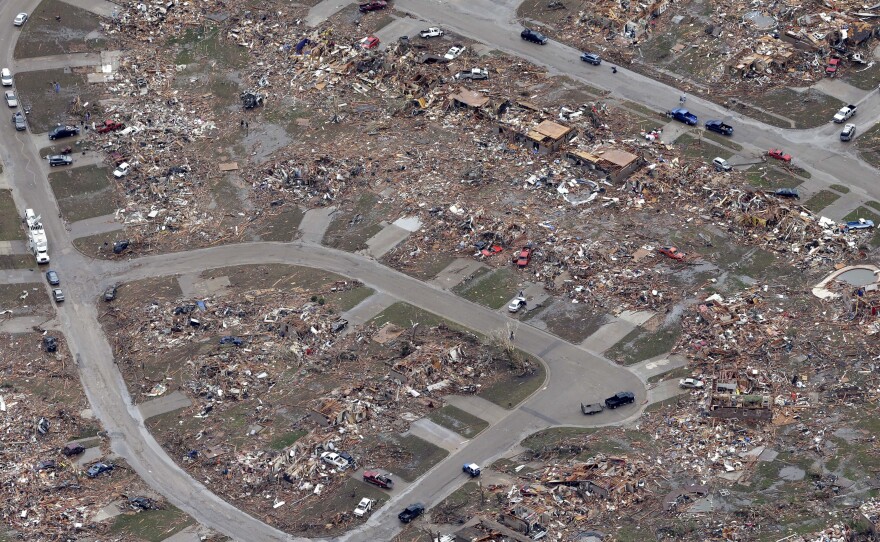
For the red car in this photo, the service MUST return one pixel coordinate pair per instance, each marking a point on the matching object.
(523, 258)
(377, 479)
(370, 42)
(109, 126)
(671, 252)
(373, 6)
(779, 155)
(832, 67)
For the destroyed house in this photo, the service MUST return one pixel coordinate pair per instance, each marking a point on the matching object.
(743, 407)
(545, 137)
(469, 99)
(526, 520)
(615, 163)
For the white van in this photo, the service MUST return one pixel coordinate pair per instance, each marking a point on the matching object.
(721, 164)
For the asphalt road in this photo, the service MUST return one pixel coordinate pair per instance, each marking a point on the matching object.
(573, 374)
(818, 150)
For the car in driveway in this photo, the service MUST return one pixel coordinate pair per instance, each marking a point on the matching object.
(432, 32)
(378, 479)
(58, 295)
(787, 193)
(590, 409)
(533, 36)
(591, 58)
(370, 42)
(690, 383)
(848, 132)
(518, 303)
(63, 131)
(411, 512)
(779, 155)
(52, 277)
(721, 164)
(473, 74)
(6, 77)
(372, 6)
(363, 507)
(72, 449)
(860, 224)
(97, 469)
(20, 19)
(59, 160)
(19, 121)
(11, 99)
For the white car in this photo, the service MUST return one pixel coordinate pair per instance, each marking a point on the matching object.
(432, 32)
(454, 52)
(11, 100)
(122, 170)
(691, 383)
(6, 77)
(363, 507)
(20, 19)
(518, 303)
(334, 460)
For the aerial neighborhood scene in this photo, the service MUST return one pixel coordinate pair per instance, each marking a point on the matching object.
(440, 271)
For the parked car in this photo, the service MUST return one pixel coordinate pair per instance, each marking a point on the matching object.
(848, 132)
(592, 408)
(432, 32)
(109, 125)
(690, 383)
(59, 160)
(48, 464)
(122, 170)
(534, 36)
(63, 131)
(619, 399)
(454, 52)
(591, 58)
(832, 66)
(721, 164)
(57, 295)
(50, 344)
(6, 77)
(370, 42)
(120, 246)
(334, 460)
(363, 507)
(518, 303)
(339, 325)
(11, 100)
(671, 252)
(860, 224)
(411, 512)
(19, 121)
(779, 155)
(523, 258)
(20, 19)
(372, 6)
(378, 479)
(787, 193)
(97, 469)
(471, 468)
(72, 449)
(52, 277)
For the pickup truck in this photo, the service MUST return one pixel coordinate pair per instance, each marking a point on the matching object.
(474, 74)
(845, 113)
(432, 32)
(683, 115)
(720, 127)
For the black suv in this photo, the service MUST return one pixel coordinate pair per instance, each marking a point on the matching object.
(787, 193)
(59, 160)
(619, 399)
(63, 131)
(534, 37)
(411, 512)
(591, 58)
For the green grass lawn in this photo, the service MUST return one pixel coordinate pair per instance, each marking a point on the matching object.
(840, 188)
(151, 525)
(511, 390)
(10, 218)
(456, 419)
(820, 200)
(83, 192)
(494, 289)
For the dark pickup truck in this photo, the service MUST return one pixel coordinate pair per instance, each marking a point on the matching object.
(720, 127)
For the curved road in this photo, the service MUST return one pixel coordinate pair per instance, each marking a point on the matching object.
(573, 373)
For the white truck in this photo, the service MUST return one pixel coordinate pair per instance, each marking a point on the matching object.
(37, 242)
(845, 113)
